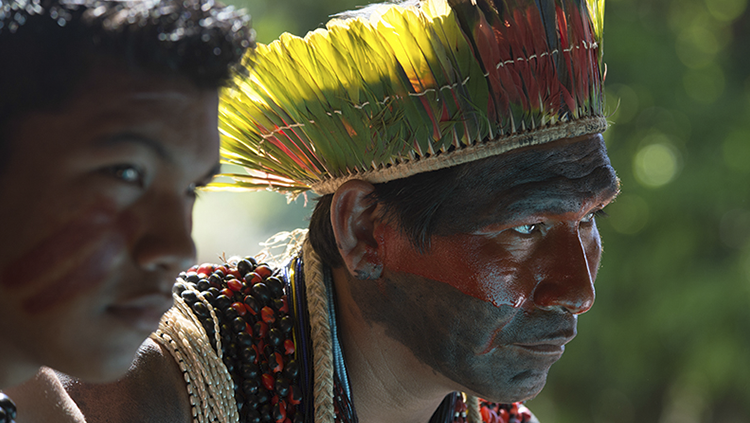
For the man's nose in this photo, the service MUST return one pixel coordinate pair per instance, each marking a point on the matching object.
(165, 242)
(565, 278)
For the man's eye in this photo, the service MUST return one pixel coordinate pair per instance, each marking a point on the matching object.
(526, 229)
(590, 217)
(128, 173)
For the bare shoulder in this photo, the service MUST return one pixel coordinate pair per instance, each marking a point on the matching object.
(153, 391)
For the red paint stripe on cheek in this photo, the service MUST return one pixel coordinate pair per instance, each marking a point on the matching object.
(466, 262)
(58, 249)
(92, 272)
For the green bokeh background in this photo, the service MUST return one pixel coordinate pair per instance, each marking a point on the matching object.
(668, 339)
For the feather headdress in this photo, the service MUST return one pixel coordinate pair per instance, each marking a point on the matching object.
(413, 88)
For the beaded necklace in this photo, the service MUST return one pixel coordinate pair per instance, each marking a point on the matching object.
(258, 322)
(8, 411)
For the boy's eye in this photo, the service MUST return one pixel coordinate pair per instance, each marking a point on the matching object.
(128, 173)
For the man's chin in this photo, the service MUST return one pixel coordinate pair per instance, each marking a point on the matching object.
(521, 387)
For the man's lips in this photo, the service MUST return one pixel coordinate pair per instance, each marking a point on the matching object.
(550, 346)
(144, 311)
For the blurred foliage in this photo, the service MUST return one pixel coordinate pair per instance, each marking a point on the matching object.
(668, 340)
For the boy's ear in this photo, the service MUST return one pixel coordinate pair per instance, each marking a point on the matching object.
(353, 220)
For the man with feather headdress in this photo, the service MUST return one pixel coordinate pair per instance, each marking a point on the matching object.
(457, 149)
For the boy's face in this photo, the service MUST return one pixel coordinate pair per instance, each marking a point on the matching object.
(96, 218)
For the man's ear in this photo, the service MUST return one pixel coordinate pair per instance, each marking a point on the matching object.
(353, 219)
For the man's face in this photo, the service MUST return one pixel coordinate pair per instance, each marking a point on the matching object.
(495, 298)
(96, 218)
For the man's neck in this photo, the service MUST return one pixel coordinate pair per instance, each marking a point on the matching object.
(388, 382)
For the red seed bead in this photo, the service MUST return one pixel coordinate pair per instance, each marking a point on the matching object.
(262, 329)
(205, 268)
(228, 292)
(252, 278)
(240, 309)
(289, 347)
(249, 328)
(267, 314)
(275, 400)
(285, 307)
(504, 415)
(290, 398)
(281, 413)
(264, 271)
(267, 381)
(279, 363)
(234, 285)
(234, 272)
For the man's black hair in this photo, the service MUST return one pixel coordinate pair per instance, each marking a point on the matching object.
(47, 47)
(464, 198)
(412, 204)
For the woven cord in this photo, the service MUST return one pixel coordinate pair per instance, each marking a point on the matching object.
(317, 304)
(209, 385)
(472, 409)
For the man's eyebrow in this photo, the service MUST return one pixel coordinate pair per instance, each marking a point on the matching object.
(135, 138)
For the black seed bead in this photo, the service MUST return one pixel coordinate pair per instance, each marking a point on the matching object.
(232, 350)
(250, 387)
(182, 275)
(253, 416)
(296, 393)
(189, 297)
(230, 313)
(261, 292)
(208, 297)
(277, 413)
(282, 386)
(251, 400)
(248, 354)
(192, 277)
(179, 287)
(251, 302)
(219, 273)
(222, 302)
(226, 332)
(245, 267)
(277, 304)
(275, 336)
(286, 324)
(203, 285)
(268, 351)
(215, 279)
(238, 324)
(291, 370)
(252, 261)
(215, 292)
(275, 286)
(229, 363)
(245, 339)
(250, 371)
(4, 417)
(200, 309)
(297, 418)
(263, 396)
(266, 413)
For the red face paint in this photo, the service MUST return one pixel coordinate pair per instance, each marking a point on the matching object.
(74, 259)
(470, 263)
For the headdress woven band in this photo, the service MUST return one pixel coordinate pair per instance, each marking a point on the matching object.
(411, 88)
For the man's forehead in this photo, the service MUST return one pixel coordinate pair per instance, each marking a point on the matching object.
(556, 178)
